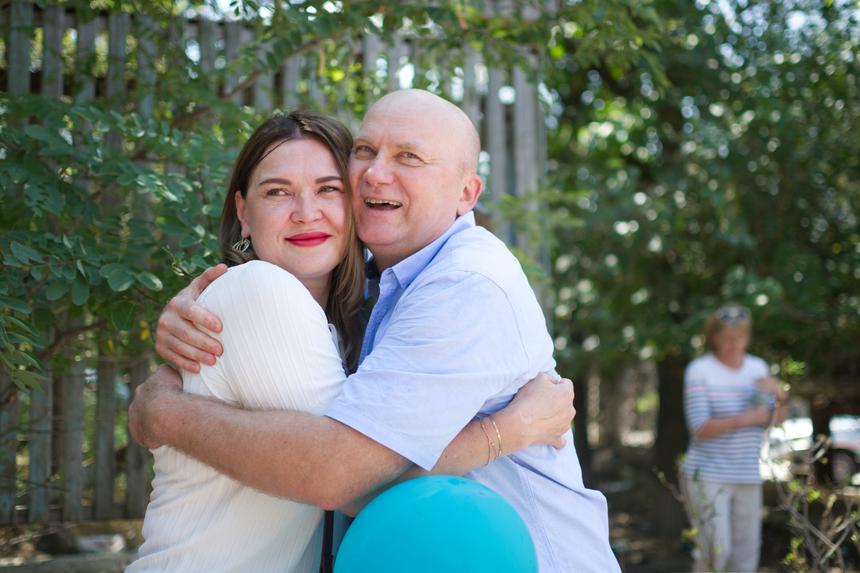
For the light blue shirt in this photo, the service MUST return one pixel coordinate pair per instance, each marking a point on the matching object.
(455, 333)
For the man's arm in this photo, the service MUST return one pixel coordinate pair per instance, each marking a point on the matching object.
(318, 460)
(312, 459)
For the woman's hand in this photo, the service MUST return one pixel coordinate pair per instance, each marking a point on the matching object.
(772, 385)
(179, 337)
(540, 413)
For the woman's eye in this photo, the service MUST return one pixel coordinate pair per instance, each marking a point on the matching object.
(329, 189)
(278, 192)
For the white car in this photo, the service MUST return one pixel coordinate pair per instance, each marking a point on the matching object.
(783, 453)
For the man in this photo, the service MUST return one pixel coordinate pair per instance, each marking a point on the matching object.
(455, 332)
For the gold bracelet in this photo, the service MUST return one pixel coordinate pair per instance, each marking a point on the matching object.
(498, 435)
(489, 442)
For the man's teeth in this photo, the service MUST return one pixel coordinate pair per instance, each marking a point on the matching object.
(381, 203)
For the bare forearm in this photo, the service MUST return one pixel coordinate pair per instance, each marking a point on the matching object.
(470, 449)
(290, 454)
(716, 427)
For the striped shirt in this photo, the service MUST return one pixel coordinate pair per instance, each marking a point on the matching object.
(713, 390)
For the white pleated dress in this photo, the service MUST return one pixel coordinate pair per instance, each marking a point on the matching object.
(279, 353)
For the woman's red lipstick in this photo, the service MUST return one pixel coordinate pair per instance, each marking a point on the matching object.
(309, 239)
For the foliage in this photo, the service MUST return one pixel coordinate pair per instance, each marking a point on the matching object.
(109, 205)
(733, 176)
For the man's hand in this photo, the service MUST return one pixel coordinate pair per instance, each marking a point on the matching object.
(542, 411)
(151, 400)
(177, 339)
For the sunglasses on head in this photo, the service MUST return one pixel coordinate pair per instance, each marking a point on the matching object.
(732, 314)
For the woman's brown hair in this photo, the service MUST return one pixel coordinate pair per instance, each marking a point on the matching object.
(345, 296)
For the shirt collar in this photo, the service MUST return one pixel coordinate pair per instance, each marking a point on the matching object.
(406, 270)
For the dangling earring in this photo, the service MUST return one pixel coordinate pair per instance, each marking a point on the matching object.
(242, 245)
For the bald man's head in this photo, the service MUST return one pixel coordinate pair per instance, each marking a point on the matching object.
(413, 171)
(460, 131)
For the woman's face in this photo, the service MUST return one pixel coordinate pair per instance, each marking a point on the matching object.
(295, 211)
(730, 343)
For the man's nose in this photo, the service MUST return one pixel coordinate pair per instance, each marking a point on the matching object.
(379, 172)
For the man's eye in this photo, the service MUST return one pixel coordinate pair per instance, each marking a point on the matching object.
(410, 157)
(362, 151)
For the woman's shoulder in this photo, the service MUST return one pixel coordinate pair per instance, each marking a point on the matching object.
(701, 363)
(258, 280)
(755, 363)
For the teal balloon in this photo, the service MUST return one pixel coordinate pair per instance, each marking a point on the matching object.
(437, 524)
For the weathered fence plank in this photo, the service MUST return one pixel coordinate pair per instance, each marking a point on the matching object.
(471, 97)
(85, 52)
(105, 421)
(9, 407)
(264, 86)
(395, 55)
(232, 43)
(136, 456)
(146, 54)
(41, 410)
(290, 83)
(72, 422)
(52, 50)
(20, 38)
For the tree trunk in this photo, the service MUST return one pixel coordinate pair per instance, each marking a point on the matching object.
(670, 443)
(822, 410)
(580, 426)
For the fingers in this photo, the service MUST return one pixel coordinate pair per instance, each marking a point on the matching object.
(199, 284)
(173, 329)
(187, 308)
(183, 355)
(567, 383)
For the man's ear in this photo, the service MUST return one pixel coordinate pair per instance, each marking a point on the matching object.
(472, 189)
(240, 214)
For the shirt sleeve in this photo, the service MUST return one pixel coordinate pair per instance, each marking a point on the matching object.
(697, 407)
(278, 350)
(451, 344)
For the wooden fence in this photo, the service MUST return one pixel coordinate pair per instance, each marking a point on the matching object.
(50, 428)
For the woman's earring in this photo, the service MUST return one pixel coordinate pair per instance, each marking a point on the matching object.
(242, 245)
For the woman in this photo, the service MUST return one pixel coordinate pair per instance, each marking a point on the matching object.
(288, 231)
(729, 399)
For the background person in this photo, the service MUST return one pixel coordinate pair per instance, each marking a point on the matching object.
(729, 399)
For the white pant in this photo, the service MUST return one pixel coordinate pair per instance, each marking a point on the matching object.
(727, 518)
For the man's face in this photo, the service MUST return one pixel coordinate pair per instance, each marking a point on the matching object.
(408, 180)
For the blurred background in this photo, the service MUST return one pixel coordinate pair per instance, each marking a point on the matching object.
(647, 161)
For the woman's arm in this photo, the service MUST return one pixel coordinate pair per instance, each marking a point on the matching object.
(540, 413)
(717, 426)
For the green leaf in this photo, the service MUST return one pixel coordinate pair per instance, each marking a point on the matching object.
(56, 290)
(25, 253)
(80, 292)
(15, 304)
(122, 316)
(119, 276)
(120, 280)
(149, 280)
